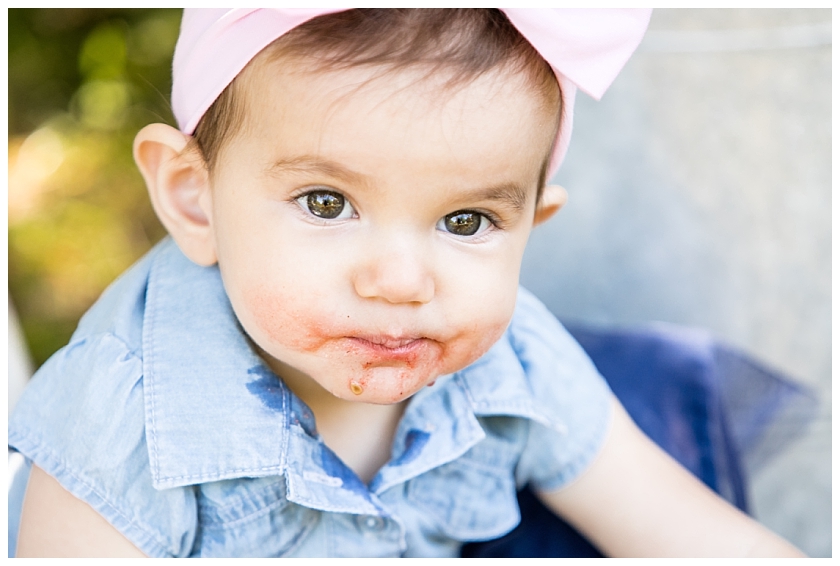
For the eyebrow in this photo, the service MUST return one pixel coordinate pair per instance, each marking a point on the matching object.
(510, 194)
(311, 164)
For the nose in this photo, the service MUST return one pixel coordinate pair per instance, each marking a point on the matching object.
(397, 271)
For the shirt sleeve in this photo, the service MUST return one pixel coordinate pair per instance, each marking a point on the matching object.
(567, 389)
(81, 419)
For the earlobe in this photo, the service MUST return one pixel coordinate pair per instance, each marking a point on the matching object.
(553, 198)
(179, 187)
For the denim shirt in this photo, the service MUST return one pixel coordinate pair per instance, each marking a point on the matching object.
(160, 415)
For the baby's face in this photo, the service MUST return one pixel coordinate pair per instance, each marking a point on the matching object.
(369, 231)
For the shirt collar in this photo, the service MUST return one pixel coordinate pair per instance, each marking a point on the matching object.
(204, 387)
(215, 411)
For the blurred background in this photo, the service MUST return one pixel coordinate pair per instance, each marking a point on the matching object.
(82, 82)
(700, 195)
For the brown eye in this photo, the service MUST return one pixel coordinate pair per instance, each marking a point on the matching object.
(464, 223)
(325, 205)
(328, 205)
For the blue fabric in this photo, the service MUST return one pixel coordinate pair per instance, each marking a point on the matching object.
(668, 383)
(160, 416)
(711, 407)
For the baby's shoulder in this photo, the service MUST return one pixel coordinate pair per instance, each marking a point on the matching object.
(534, 325)
(550, 357)
(82, 420)
(537, 371)
(568, 401)
(96, 379)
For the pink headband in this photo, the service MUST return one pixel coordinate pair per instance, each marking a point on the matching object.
(586, 48)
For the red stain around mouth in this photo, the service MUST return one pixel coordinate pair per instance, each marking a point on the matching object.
(368, 365)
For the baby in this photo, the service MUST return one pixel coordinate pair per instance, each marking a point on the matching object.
(331, 356)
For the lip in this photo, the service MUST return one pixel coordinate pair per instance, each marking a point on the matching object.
(389, 344)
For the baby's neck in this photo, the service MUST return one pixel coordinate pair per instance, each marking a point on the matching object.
(361, 434)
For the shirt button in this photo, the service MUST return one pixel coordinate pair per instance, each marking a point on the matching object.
(370, 522)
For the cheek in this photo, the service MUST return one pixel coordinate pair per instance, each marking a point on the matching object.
(475, 342)
(275, 318)
(486, 319)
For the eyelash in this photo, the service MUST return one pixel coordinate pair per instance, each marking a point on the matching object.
(493, 223)
(301, 199)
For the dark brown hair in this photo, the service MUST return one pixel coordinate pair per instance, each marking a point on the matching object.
(464, 42)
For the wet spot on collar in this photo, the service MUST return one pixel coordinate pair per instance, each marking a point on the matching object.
(267, 388)
(415, 440)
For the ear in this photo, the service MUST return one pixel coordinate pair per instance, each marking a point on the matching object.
(553, 198)
(179, 186)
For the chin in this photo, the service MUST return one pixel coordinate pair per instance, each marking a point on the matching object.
(384, 385)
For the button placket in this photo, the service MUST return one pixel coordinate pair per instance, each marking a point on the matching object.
(370, 523)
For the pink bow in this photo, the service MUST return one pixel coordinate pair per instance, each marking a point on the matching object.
(586, 48)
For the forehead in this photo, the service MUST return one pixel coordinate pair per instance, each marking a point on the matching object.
(418, 115)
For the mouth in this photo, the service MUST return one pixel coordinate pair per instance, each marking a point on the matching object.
(395, 345)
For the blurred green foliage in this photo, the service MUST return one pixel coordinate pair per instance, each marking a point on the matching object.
(82, 82)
